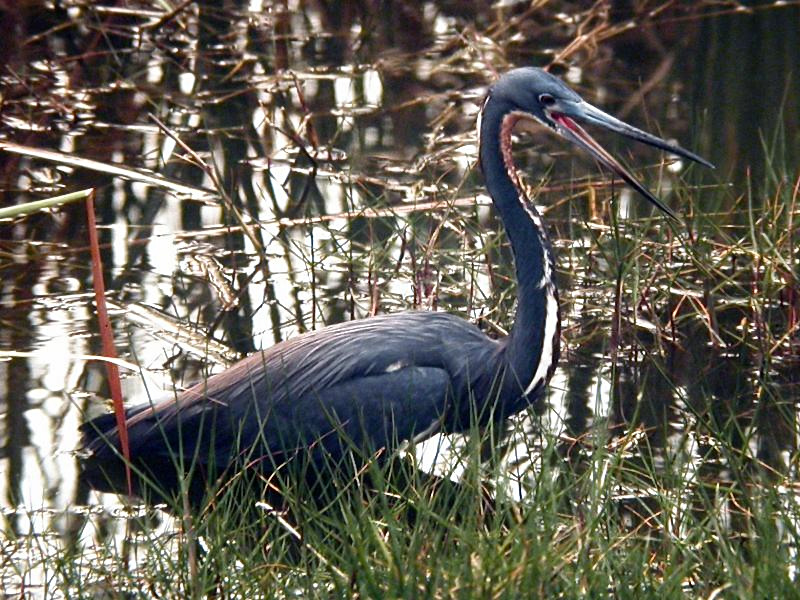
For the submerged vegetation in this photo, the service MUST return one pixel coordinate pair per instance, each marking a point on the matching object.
(266, 172)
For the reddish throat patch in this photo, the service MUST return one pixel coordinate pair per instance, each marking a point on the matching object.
(506, 128)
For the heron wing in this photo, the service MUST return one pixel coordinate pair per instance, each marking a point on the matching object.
(372, 383)
(362, 415)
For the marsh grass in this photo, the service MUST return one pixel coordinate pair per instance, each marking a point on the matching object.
(695, 497)
(700, 509)
(602, 523)
(680, 351)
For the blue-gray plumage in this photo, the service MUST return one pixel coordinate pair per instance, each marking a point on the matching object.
(372, 384)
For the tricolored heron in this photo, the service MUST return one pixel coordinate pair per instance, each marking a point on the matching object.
(375, 383)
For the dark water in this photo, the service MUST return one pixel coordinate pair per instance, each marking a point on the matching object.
(332, 147)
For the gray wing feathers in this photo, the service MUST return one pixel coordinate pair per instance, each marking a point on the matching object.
(380, 380)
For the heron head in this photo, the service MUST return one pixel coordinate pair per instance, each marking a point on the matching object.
(534, 93)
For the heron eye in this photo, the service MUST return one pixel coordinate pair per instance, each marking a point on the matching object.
(547, 100)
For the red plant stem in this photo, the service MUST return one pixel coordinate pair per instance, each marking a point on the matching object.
(107, 336)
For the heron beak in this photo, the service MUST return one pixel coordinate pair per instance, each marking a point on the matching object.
(567, 126)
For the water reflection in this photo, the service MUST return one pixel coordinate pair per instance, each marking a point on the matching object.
(321, 128)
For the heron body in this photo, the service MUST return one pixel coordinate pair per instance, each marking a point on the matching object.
(373, 384)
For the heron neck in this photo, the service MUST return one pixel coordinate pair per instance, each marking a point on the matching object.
(531, 349)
